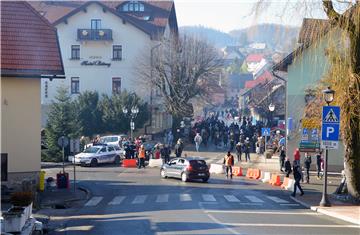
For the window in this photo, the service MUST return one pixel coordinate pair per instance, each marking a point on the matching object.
(133, 6)
(103, 150)
(46, 89)
(75, 52)
(117, 52)
(110, 149)
(116, 85)
(75, 85)
(95, 24)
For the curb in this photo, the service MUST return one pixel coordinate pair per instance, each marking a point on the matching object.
(87, 191)
(326, 212)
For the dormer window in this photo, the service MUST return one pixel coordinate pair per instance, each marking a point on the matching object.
(133, 6)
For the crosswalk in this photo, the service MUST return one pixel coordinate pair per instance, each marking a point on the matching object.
(185, 197)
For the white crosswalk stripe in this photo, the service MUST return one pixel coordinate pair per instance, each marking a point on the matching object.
(277, 200)
(162, 198)
(185, 197)
(94, 201)
(231, 198)
(253, 199)
(117, 200)
(208, 198)
(140, 199)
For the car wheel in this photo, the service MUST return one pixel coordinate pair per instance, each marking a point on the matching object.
(163, 174)
(93, 162)
(117, 160)
(205, 180)
(184, 177)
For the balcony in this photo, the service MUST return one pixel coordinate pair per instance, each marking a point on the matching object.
(94, 35)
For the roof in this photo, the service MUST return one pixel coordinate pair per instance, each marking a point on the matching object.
(254, 58)
(237, 81)
(29, 43)
(152, 21)
(264, 77)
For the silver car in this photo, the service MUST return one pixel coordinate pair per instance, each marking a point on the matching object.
(97, 154)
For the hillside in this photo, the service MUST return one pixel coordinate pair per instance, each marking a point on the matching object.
(275, 36)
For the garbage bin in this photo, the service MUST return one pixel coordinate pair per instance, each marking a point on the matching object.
(42, 181)
(269, 153)
(62, 180)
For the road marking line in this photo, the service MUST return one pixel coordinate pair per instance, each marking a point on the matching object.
(254, 199)
(185, 197)
(250, 203)
(208, 198)
(290, 204)
(277, 200)
(162, 198)
(231, 198)
(261, 212)
(140, 199)
(117, 200)
(294, 225)
(94, 201)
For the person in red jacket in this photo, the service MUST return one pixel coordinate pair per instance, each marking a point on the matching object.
(297, 156)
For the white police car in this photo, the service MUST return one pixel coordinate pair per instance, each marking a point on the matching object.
(97, 154)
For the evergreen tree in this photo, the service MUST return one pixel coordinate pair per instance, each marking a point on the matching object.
(89, 113)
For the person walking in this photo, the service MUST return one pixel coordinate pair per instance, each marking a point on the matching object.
(282, 158)
(197, 140)
(228, 163)
(141, 156)
(165, 153)
(178, 148)
(307, 164)
(297, 176)
(318, 165)
(238, 148)
(247, 149)
(287, 166)
(297, 156)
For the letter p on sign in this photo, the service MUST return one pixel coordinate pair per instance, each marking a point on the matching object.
(329, 130)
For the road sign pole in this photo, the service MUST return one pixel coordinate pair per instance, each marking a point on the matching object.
(63, 158)
(325, 200)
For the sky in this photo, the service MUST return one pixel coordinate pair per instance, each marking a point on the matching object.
(227, 15)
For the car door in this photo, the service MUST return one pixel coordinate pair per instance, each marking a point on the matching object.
(102, 155)
(111, 154)
(179, 167)
(171, 168)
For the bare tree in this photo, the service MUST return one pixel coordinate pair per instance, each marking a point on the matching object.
(182, 69)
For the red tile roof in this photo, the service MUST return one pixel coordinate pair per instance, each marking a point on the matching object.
(264, 77)
(29, 44)
(254, 58)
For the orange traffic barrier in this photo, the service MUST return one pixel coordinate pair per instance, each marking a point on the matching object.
(285, 183)
(256, 174)
(272, 179)
(276, 180)
(129, 163)
(237, 171)
(249, 173)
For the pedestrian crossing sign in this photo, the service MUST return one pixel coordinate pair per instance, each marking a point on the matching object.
(265, 131)
(330, 126)
(331, 117)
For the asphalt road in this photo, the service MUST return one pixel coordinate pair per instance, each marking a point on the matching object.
(137, 201)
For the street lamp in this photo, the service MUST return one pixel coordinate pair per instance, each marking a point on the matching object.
(328, 97)
(132, 113)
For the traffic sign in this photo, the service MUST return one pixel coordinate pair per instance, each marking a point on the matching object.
(330, 127)
(265, 131)
(63, 141)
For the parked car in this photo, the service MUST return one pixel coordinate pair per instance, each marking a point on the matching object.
(186, 169)
(98, 153)
(112, 139)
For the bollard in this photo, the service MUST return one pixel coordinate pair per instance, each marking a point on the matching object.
(42, 181)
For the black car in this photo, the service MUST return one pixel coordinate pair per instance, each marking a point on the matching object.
(186, 169)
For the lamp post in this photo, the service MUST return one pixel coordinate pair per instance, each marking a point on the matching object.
(132, 113)
(328, 95)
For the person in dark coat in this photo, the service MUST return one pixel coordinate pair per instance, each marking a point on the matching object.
(318, 164)
(178, 148)
(287, 166)
(297, 176)
(307, 164)
(165, 153)
(238, 151)
(282, 158)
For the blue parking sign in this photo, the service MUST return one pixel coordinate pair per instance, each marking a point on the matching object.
(330, 125)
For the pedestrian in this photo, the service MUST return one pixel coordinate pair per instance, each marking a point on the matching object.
(178, 148)
(318, 164)
(165, 153)
(238, 148)
(297, 156)
(197, 140)
(228, 163)
(282, 158)
(247, 149)
(307, 164)
(287, 167)
(141, 157)
(157, 151)
(297, 176)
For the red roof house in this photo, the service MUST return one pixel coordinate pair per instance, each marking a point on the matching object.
(264, 77)
(254, 58)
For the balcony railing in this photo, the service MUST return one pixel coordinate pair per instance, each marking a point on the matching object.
(94, 34)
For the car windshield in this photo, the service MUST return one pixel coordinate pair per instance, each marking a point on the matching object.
(197, 163)
(108, 139)
(91, 150)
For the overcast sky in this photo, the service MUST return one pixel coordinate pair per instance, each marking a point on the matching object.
(226, 15)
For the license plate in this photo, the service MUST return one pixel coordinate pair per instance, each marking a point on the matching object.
(201, 174)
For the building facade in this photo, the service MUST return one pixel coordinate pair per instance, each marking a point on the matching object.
(29, 52)
(105, 44)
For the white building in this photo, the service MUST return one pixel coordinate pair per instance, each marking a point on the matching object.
(103, 43)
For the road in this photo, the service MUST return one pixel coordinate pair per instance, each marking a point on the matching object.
(137, 201)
